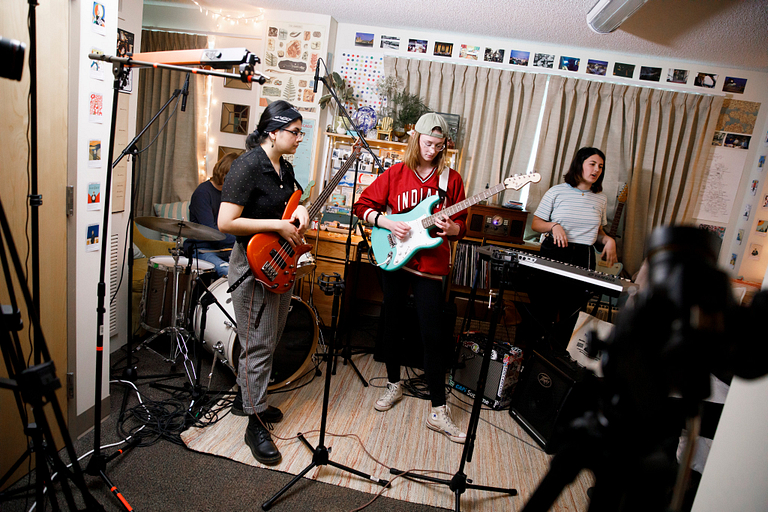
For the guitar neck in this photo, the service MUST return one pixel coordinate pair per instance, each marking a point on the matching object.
(328, 190)
(616, 220)
(428, 222)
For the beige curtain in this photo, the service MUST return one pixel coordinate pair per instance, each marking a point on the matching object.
(657, 142)
(173, 145)
(498, 108)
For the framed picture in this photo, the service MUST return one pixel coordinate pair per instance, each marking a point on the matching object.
(234, 118)
(454, 125)
(223, 150)
(236, 83)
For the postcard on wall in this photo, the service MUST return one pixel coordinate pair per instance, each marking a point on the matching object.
(98, 19)
(417, 45)
(734, 85)
(740, 236)
(764, 202)
(94, 153)
(708, 80)
(753, 187)
(95, 108)
(755, 250)
(492, 55)
(97, 66)
(677, 76)
(519, 58)
(94, 196)
(124, 43)
(92, 240)
(732, 262)
(390, 42)
(469, 52)
(761, 162)
(597, 67)
(735, 141)
(290, 59)
(623, 70)
(443, 49)
(544, 60)
(747, 212)
(364, 39)
(650, 74)
(569, 63)
(718, 139)
(762, 227)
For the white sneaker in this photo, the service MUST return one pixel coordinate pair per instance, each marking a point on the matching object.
(440, 421)
(393, 395)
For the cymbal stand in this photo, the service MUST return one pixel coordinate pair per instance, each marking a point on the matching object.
(331, 285)
(460, 483)
(178, 335)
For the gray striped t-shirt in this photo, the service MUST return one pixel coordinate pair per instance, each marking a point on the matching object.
(579, 212)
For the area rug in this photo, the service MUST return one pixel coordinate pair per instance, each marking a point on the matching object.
(358, 436)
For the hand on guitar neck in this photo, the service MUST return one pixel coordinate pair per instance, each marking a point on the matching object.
(603, 265)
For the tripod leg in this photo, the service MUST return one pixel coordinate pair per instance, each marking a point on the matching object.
(268, 504)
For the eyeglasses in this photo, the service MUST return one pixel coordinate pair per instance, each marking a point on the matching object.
(429, 145)
(296, 133)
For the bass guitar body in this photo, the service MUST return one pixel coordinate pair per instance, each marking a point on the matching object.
(396, 252)
(271, 257)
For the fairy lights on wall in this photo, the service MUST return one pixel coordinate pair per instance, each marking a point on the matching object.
(219, 16)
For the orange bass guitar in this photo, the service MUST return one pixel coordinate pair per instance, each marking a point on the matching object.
(271, 257)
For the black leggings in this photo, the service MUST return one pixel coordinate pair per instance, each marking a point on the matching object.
(428, 296)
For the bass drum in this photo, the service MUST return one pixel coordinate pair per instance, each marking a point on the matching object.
(293, 354)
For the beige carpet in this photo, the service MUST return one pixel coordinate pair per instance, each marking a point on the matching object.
(504, 456)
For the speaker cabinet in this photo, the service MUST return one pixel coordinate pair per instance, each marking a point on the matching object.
(496, 223)
(502, 374)
(550, 393)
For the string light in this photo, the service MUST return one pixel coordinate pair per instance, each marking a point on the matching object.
(217, 15)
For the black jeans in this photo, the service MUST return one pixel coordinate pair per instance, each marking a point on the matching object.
(428, 296)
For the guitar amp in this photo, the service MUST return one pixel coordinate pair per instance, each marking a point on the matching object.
(496, 223)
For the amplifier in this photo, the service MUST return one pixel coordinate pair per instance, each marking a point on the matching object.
(503, 371)
(496, 223)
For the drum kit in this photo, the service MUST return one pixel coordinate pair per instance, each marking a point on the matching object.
(177, 295)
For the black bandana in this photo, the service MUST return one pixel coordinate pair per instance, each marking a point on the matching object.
(281, 119)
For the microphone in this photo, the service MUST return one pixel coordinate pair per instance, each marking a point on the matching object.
(184, 94)
(317, 74)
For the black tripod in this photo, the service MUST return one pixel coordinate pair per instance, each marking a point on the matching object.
(460, 483)
(331, 285)
(35, 386)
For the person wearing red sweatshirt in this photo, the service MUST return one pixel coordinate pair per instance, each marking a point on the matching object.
(399, 189)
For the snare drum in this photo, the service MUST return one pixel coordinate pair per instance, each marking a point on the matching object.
(157, 297)
(293, 354)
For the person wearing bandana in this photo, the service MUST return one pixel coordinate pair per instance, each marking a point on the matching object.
(253, 200)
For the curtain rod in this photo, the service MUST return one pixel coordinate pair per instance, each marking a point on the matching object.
(200, 33)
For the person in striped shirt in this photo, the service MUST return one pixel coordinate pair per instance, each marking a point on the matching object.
(572, 214)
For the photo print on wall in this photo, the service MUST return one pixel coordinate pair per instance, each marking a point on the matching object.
(734, 85)
(443, 49)
(519, 58)
(417, 45)
(677, 76)
(469, 52)
(623, 70)
(650, 74)
(544, 60)
(597, 67)
(492, 55)
(364, 39)
(390, 42)
(708, 80)
(569, 63)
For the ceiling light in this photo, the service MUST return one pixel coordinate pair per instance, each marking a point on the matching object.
(607, 15)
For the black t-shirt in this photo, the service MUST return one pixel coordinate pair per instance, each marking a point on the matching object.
(253, 184)
(204, 210)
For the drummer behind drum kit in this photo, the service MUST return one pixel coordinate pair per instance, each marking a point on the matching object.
(174, 296)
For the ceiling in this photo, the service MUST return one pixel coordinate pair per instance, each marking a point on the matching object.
(727, 33)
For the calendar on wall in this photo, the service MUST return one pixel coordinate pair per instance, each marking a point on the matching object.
(362, 71)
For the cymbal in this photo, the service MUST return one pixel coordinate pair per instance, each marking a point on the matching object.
(182, 228)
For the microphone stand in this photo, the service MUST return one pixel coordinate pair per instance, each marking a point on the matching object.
(361, 137)
(98, 461)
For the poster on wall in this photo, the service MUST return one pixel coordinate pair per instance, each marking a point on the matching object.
(97, 66)
(302, 159)
(290, 59)
(362, 71)
(124, 48)
(98, 18)
(95, 108)
(94, 153)
(94, 196)
(92, 240)
(721, 186)
(737, 116)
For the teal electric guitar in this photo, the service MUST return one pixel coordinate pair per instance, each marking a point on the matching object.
(391, 252)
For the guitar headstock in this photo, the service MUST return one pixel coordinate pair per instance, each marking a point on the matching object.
(622, 197)
(518, 181)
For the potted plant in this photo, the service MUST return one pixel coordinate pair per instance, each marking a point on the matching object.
(346, 94)
(410, 109)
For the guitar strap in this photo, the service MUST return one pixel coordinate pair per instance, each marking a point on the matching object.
(442, 188)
